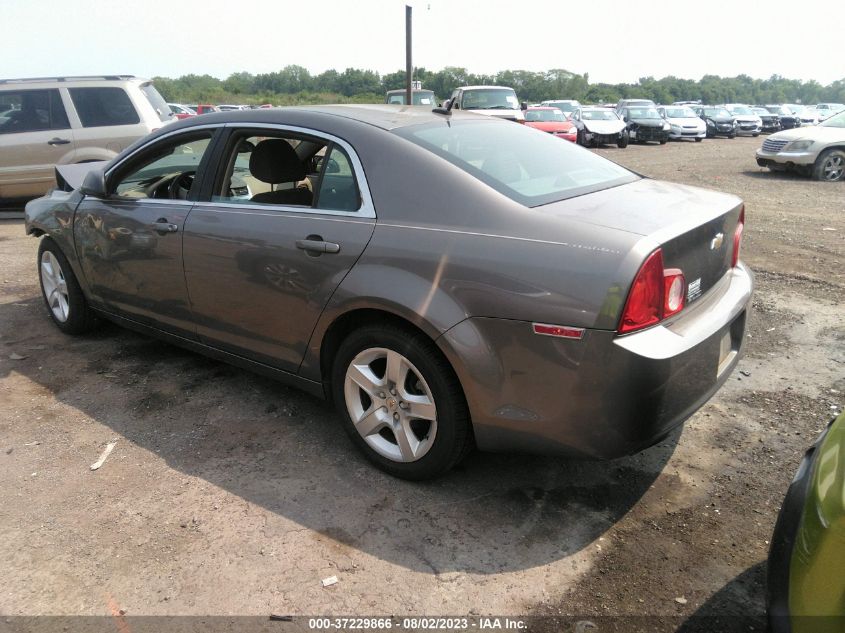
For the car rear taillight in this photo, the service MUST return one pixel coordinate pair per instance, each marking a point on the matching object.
(738, 237)
(674, 291)
(657, 293)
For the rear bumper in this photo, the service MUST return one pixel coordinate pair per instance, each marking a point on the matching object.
(603, 396)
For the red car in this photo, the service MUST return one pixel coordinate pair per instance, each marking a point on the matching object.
(551, 120)
(180, 111)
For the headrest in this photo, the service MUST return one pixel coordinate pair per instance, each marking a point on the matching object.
(274, 161)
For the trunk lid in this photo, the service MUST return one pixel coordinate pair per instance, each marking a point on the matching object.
(694, 227)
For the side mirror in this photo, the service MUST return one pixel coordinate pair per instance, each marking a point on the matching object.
(523, 105)
(94, 184)
(624, 118)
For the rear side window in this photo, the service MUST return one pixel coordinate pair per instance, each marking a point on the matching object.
(31, 111)
(157, 101)
(98, 107)
(338, 189)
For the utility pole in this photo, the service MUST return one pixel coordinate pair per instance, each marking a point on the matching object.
(409, 68)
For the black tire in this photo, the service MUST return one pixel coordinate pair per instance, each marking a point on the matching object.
(581, 138)
(622, 143)
(698, 139)
(453, 436)
(663, 141)
(732, 135)
(756, 134)
(830, 166)
(80, 318)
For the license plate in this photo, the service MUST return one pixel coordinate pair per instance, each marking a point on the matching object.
(726, 353)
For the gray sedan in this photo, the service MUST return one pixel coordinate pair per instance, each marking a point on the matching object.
(448, 280)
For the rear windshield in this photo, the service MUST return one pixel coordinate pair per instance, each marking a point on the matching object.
(527, 166)
(157, 102)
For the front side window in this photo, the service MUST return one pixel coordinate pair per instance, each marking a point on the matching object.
(166, 172)
(532, 169)
(32, 111)
(98, 107)
(280, 169)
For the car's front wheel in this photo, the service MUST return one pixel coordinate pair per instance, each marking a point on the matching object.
(623, 140)
(830, 165)
(63, 297)
(400, 402)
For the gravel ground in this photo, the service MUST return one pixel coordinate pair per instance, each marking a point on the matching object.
(229, 494)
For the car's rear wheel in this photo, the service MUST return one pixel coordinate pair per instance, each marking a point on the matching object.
(63, 297)
(830, 166)
(400, 402)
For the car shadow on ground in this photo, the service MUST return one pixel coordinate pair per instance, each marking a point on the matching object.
(787, 176)
(284, 450)
(737, 607)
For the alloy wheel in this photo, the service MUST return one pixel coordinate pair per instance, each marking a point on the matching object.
(390, 404)
(55, 286)
(833, 167)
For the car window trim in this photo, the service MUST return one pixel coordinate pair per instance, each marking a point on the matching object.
(201, 168)
(366, 210)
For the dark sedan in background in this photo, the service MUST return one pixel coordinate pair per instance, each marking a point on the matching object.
(645, 124)
(719, 121)
(770, 121)
(537, 297)
(786, 117)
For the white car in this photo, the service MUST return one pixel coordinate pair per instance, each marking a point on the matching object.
(827, 110)
(599, 126)
(746, 121)
(818, 151)
(684, 123)
(497, 101)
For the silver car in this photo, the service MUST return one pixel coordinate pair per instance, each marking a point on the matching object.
(448, 280)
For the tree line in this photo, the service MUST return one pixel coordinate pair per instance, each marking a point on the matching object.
(293, 85)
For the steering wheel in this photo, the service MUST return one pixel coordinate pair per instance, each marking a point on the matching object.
(181, 185)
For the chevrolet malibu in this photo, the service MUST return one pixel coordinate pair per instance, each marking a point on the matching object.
(448, 280)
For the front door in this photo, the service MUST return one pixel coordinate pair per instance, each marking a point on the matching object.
(130, 243)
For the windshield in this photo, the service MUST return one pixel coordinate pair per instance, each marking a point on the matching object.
(643, 113)
(762, 111)
(490, 99)
(563, 106)
(741, 110)
(837, 120)
(544, 115)
(599, 115)
(529, 168)
(717, 112)
(679, 113)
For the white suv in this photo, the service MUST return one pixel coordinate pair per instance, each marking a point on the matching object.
(495, 101)
(55, 121)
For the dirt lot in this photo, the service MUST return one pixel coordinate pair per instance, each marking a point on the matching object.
(228, 494)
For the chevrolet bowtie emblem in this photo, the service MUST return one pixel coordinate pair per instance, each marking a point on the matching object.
(716, 242)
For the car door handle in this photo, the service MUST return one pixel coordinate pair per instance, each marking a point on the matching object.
(58, 141)
(162, 226)
(317, 246)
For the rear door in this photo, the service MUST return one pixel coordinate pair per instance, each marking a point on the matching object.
(130, 242)
(35, 135)
(107, 119)
(261, 265)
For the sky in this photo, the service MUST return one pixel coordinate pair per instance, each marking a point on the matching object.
(612, 40)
